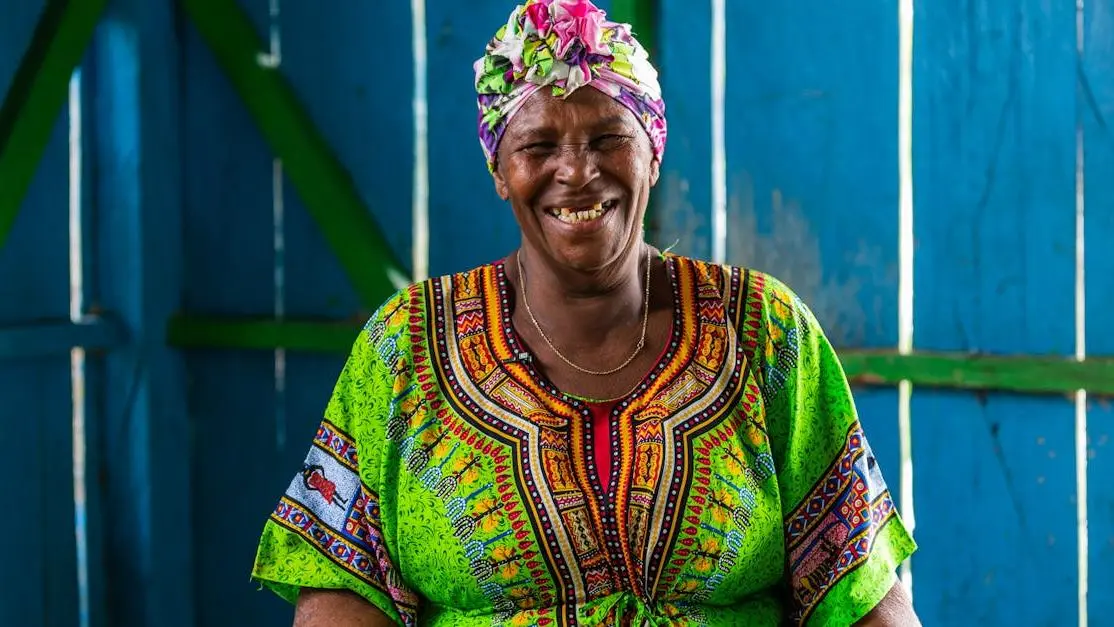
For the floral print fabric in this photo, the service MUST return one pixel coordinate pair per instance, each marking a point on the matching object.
(564, 44)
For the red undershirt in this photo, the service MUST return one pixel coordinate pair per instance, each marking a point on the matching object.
(601, 427)
(601, 440)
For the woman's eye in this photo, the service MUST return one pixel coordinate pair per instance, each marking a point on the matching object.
(609, 141)
(539, 148)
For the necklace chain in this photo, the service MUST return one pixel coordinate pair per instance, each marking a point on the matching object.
(599, 373)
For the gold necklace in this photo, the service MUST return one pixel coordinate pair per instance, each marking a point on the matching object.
(599, 373)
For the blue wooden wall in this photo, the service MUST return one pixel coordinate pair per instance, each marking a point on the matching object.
(37, 542)
(187, 210)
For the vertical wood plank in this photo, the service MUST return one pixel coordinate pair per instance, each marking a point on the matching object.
(994, 145)
(138, 217)
(469, 224)
(357, 89)
(38, 574)
(812, 172)
(1096, 93)
(229, 256)
(682, 201)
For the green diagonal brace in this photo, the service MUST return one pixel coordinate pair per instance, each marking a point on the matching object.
(324, 185)
(37, 94)
(1027, 374)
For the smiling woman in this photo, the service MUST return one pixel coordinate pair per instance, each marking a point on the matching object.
(593, 432)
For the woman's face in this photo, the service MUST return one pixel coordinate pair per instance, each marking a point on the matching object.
(577, 173)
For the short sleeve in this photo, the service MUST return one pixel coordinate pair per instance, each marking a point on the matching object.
(327, 530)
(843, 536)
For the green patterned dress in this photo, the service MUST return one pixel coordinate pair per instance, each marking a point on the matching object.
(451, 484)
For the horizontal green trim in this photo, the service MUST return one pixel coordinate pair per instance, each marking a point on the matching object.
(1029, 374)
(263, 334)
(1032, 375)
(57, 337)
(37, 94)
(324, 185)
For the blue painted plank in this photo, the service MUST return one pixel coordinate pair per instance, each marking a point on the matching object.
(812, 158)
(358, 90)
(994, 180)
(994, 492)
(89, 379)
(682, 201)
(38, 574)
(136, 154)
(468, 223)
(229, 253)
(58, 337)
(1097, 117)
(811, 139)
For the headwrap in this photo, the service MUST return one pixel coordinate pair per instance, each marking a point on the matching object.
(564, 44)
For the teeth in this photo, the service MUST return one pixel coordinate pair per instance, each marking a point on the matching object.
(572, 216)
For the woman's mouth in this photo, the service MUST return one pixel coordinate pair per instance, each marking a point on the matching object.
(578, 215)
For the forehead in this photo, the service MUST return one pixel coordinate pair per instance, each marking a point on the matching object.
(585, 109)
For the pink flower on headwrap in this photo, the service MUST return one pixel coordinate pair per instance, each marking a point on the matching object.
(538, 15)
(578, 20)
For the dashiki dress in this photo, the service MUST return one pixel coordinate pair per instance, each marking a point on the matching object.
(450, 483)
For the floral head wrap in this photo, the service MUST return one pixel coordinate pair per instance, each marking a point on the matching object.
(564, 44)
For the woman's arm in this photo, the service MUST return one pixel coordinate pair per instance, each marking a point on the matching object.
(336, 608)
(894, 610)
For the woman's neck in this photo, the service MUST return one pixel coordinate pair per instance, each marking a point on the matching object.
(582, 308)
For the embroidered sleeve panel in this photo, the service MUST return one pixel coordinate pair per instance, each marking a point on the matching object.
(835, 500)
(328, 530)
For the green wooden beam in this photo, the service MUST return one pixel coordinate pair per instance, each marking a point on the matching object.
(642, 16)
(1023, 374)
(261, 334)
(1028, 374)
(324, 185)
(37, 94)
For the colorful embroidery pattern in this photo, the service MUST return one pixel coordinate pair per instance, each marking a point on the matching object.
(832, 531)
(450, 479)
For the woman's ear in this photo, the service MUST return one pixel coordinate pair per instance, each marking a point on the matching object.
(655, 171)
(500, 184)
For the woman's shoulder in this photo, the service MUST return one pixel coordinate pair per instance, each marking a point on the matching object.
(410, 298)
(756, 293)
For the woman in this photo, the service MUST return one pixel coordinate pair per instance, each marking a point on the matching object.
(590, 431)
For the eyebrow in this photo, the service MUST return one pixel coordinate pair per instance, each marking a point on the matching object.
(609, 122)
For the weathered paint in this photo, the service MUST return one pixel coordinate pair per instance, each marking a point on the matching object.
(994, 180)
(1096, 110)
(813, 177)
